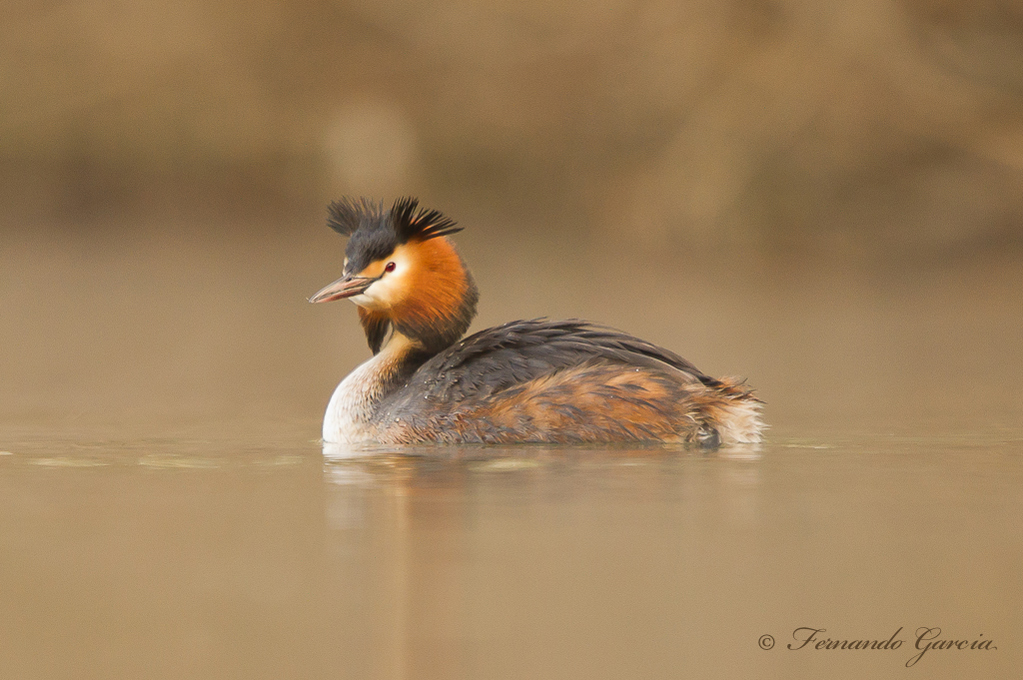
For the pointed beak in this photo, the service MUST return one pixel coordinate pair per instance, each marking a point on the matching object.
(345, 287)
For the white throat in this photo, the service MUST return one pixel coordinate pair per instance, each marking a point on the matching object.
(349, 415)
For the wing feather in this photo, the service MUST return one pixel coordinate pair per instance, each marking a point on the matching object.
(506, 356)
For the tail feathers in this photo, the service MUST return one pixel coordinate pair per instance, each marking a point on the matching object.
(732, 415)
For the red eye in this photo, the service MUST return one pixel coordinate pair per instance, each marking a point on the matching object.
(390, 267)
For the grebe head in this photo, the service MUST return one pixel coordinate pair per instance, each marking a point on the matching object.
(402, 271)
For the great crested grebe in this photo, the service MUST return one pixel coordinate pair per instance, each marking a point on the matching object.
(524, 381)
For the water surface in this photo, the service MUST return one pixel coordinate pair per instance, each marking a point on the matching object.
(262, 558)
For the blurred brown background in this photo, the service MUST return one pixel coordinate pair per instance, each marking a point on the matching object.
(823, 196)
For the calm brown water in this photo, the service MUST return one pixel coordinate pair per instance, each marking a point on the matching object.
(166, 510)
(178, 558)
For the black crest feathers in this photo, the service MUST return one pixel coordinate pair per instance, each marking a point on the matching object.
(412, 222)
(347, 215)
(405, 219)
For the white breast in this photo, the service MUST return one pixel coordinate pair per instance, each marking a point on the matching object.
(351, 406)
(348, 419)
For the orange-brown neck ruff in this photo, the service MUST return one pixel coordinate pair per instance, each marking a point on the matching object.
(439, 299)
